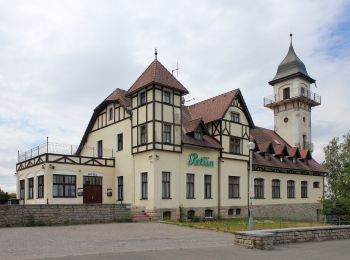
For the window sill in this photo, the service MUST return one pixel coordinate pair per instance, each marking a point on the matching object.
(71, 197)
(190, 198)
(208, 198)
(144, 199)
(277, 198)
(234, 198)
(259, 198)
(166, 198)
(236, 153)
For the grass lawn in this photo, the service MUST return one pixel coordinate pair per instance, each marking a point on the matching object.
(232, 225)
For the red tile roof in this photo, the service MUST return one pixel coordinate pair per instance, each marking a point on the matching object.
(265, 138)
(214, 108)
(157, 73)
(119, 95)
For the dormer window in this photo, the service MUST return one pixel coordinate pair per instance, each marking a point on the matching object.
(167, 97)
(281, 158)
(235, 117)
(294, 160)
(142, 98)
(267, 156)
(198, 135)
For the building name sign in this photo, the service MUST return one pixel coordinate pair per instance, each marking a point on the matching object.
(194, 159)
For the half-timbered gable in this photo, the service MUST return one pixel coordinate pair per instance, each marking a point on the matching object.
(228, 121)
(105, 124)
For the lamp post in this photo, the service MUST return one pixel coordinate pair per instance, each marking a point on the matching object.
(251, 146)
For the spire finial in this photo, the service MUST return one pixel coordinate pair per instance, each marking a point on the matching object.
(291, 38)
(155, 53)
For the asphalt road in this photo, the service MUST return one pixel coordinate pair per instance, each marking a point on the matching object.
(147, 241)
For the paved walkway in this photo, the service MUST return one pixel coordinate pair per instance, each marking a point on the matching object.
(146, 241)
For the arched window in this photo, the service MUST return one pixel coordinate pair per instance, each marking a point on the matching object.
(304, 189)
(276, 189)
(290, 189)
(259, 188)
(208, 213)
(191, 214)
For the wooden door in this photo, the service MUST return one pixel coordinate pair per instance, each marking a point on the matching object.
(92, 189)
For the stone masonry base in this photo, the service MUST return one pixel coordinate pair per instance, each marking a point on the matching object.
(265, 239)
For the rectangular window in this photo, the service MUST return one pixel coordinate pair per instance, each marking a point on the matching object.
(167, 134)
(21, 189)
(99, 149)
(316, 184)
(233, 187)
(166, 97)
(142, 98)
(290, 189)
(120, 142)
(259, 188)
(286, 93)
(92, 180)
(235, 145)
(207, 186)
(110, 114)
(120, 188)
(235, 117)
(166, 185)
(190, 186)
(64, 186)
(30, 188)
(144, 186)
(41, 186)
(143, 134)
(276, 189)
(304, 189)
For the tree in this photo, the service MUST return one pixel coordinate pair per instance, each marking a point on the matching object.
(337, 162)
(3, 197)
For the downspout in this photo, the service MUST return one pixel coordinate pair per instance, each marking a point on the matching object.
(219, 187)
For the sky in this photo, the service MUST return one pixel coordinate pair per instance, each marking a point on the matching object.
(60, 59)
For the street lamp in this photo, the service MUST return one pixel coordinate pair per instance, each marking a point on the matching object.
(251, 146)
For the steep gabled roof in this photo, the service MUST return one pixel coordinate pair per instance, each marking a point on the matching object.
(118, 95)
(213, 109)
(191, 126)
(158, 74)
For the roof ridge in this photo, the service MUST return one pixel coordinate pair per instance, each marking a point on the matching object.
(214, 97)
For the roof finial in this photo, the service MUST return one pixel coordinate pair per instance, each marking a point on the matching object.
(155, 53)
(291, 38)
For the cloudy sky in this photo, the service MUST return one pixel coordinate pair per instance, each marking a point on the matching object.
(60, 59)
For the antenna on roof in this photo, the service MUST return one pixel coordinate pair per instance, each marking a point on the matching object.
(155, 53)
(291, 38)
(177, 70)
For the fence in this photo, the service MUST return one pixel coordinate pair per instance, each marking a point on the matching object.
(59, 148)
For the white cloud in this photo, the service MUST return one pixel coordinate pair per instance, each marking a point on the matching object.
(59, 59)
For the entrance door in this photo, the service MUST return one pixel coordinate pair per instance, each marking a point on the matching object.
(92, 189)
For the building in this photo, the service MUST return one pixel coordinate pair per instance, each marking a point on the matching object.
(146, 148)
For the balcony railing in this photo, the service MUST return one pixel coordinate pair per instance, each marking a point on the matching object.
(300, 93)
(62, 149)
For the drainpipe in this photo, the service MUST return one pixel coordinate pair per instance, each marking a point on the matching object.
(219, 187)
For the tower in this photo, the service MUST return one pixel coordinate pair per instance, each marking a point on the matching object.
(292, 101)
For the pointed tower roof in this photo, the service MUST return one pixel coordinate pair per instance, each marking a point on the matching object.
(158, 74)
(290, 67)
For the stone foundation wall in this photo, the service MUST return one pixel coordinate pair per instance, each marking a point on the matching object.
(300, 211)
(265, 239)
(31, 215)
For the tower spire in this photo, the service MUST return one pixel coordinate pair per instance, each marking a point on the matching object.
(291, 38)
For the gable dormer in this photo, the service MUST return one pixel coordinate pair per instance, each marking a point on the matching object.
(156, 108)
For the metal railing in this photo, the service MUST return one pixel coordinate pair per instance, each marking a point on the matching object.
(300, 92)
(65, 149)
